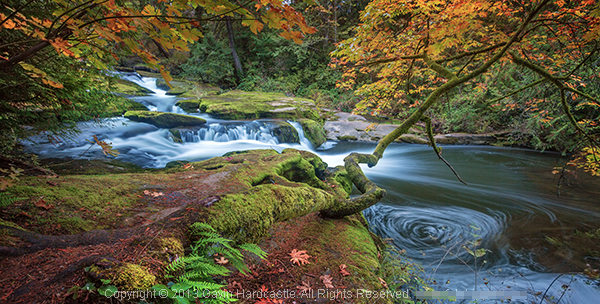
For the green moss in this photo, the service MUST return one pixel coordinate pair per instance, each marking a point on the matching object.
(176, 135)
(176, 164)
(76, 203)
(164, 120)
(285, 132)
(168, 249)
(341, 177)
(345, 241)
(11, 224)
(237, 105)
(413, 139)
(347, 137)
(281, 187)
(90, 167)
(133, 277)
(7, 238)
(189, 105)
(126, 87)
(313, 131)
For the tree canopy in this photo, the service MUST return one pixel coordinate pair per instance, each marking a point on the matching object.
(416, 52)
(98, 28)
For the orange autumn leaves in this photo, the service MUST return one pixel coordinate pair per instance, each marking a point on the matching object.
(389, 44)
(95, 30)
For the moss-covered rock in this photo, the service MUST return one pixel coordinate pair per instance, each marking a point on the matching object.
(313, 131)
(285, 132)
(164, 120)
(127, 87)
(412, 139)
(255, 105)
(133, 277)
(176, 135)
(176, 164)
(168, 249)
(189, 105)
(347, 137)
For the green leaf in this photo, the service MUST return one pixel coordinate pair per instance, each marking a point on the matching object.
(480, 252)
(89, 287)
(182, 300)
(107, 290)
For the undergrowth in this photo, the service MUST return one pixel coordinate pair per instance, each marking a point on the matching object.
(197, 274)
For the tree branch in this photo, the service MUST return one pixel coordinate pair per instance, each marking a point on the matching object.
(438, 151)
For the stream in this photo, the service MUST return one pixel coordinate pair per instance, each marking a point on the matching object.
(510, 202)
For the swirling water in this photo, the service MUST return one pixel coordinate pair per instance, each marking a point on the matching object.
(510, 197)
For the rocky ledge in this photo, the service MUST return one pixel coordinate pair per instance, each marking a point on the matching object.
(352, 127)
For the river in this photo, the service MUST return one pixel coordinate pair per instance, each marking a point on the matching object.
(510, 202)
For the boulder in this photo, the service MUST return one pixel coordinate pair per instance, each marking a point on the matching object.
(236, 105)
(164, 120)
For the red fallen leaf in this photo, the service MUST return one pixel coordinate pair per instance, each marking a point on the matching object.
(327, 281)
(299, 257)
(41, 203)
(25, 214)
(343, 270)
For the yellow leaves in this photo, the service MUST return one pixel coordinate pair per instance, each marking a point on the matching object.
(9, 24)
(32, 71)
(255, 25)
(587, 159)
(53, 83)
(107, 149)
(296, 36)
(166, 76)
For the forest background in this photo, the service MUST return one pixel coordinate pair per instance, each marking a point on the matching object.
(55, 53)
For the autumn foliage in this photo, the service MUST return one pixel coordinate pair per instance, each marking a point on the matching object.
(98, 28)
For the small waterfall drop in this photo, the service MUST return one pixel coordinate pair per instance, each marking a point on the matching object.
(255, 130)
(303, 140)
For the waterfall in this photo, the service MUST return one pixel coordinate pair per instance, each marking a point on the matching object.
(262, 131)
(303, 140)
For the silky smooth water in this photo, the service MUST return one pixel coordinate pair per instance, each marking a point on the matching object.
(510, 197)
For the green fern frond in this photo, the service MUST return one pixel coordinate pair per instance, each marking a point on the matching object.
(254, 249)
(206, 285)
(202, 226)
(176, 265)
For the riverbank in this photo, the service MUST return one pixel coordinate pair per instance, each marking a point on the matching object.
(352, 127)
(60, 226)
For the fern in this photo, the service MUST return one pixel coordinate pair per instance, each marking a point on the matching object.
(199, 267)
(7, 199)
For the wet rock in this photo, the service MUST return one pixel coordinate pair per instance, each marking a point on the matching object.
(164, 120)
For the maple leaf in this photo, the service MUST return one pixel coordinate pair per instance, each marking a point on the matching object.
(299, 257)
(343, 270)
(41, 203)
(5, 183)
(107, 149)
(152, 193)
(327, 281)
(222, 261)
(304, 287)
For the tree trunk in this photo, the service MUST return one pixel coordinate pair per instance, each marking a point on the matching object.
(236, 59)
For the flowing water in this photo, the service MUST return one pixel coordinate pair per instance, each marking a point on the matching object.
(510, 202)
